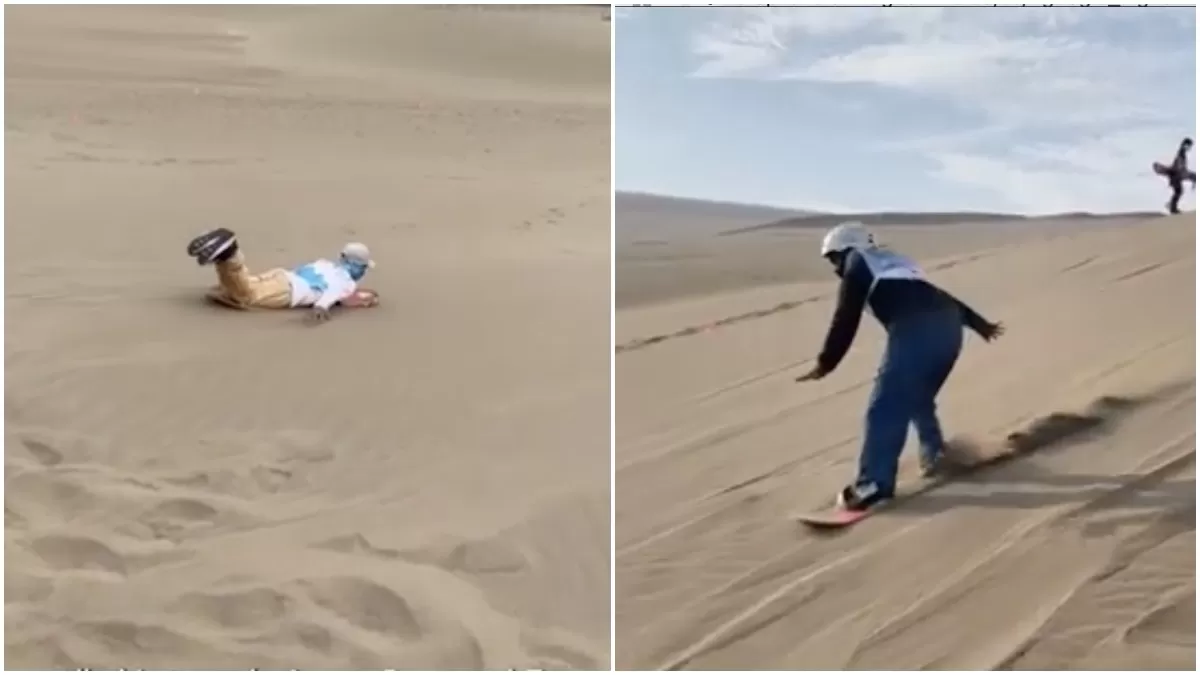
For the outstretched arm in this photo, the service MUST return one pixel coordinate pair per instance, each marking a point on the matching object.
(973, 320)
(843, 328)
(363, 297)
(337, 291)
(852, 300)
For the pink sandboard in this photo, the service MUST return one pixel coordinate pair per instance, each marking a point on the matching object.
(964, 459)
(832, 518)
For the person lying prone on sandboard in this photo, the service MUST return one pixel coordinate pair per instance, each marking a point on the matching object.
(320, 284)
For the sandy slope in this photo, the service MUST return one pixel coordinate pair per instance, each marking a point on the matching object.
(421, 485)
(1078, 552)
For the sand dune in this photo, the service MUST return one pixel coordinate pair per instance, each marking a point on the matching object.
(423, 485)
(669, 249)
(1075, 549)
(648, 218)
(892, 218)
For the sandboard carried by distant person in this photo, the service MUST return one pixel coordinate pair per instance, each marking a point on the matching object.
(320, 285)
(1165, 171)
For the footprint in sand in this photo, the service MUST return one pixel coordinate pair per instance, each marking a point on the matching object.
(65, 552)
(357, 544)
(182, 517)
(365, 604)
(43, 453)
(324, 645)
(485, 557)
(265, 478)
(236, 609)
(271, 479)
(185, 509)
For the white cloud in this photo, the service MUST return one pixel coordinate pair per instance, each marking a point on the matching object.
(931, 65)
(738, 48)
(1105, 85)
(731, 56)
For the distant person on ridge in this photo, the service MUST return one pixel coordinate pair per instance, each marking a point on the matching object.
(320, 284)
(1176, 173)
(924, 337)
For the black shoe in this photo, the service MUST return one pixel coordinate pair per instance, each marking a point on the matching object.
(215, 246)
(861, 496)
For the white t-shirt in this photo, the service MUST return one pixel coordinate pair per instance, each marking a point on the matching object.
(320, 283)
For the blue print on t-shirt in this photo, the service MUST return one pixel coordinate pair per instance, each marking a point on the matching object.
(312, 277)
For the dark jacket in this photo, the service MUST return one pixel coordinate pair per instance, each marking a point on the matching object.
(889, 299)
(1179, 168)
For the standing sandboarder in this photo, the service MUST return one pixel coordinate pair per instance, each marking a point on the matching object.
(924, 337)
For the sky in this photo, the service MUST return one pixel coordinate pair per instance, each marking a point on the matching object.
(1023, 110)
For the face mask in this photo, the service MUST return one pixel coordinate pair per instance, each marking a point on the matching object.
(357, 270)
(837, 260)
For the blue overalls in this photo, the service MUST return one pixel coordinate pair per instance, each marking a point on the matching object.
(920, 353)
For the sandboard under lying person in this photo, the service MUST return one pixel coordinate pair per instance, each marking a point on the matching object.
(320, 284)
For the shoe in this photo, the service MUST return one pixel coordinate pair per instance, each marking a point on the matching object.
(215, 246)
(933, 464)
(861, 496)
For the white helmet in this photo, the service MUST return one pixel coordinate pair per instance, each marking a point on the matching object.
(358, 252)
(848, 235)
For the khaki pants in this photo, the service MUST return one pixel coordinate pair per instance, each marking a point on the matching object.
(238, 288)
